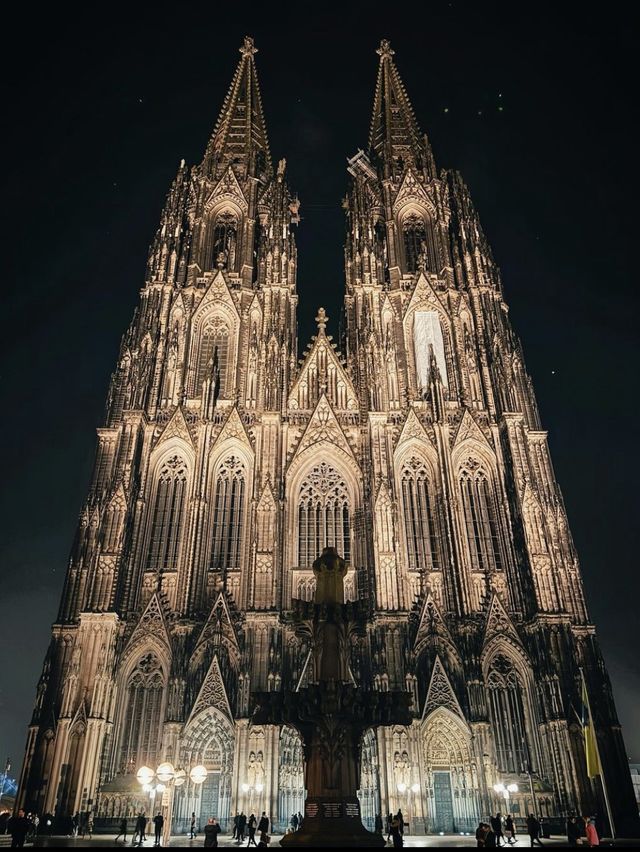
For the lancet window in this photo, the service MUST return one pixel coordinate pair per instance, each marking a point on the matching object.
(228, 515)
(225, 236)
(420, 516)
(168, 515)
(418, 243)
(323, 515)
(214, 338)
(481, 518)
(143, 715)
(506, 699)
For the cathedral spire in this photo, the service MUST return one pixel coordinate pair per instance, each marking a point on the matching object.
(240, 134)
(394, 130)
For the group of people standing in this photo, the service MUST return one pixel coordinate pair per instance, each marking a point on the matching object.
(501, 831)
(247, 826)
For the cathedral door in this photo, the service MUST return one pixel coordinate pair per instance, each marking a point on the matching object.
(443, 801)
(210, 798)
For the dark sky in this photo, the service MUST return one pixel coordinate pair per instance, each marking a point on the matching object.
(100, 111)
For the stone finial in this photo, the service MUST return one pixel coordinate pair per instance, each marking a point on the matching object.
(248, 48)
(322, 319)
(385, 50)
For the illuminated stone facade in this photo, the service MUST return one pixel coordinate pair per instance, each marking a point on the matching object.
(225, 465)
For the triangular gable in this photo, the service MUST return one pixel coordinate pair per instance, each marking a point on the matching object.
(220, 622)
(234, 428)
(228, 186)
(499, 623)
(468, 428)
(176, 428)
(212, 693)
(431, 624)
(152, 623)
(411, 190)
(440, 693)
(412, 429)
(80, 716)
(323, 426)
(424, 296)
(267, 499)
(318, 359)
(217, 292)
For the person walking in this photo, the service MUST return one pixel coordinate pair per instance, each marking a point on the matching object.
(211, 832)
(574, 832)
(293, 822)
(18, 827)
(533, 830)
(496, 827)
(263, 824)
(123, 830)
(235, 826)
(158, 822)
(299, 820)
(192, 827)
(242, 824)
(592, 832)
(396, 834)
(251, 828)
(141, 828)
(481, 833)
(378, 825)
(510, 828)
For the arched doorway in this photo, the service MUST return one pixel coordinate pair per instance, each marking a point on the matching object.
(451, 783)
(208, 739)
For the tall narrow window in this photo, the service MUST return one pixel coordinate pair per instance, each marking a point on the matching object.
(507, 715)
(420, 517)
(167, 516)
(228, 515)
(323, 515)
(419, 244)
(141, 733)
(481, 519)
(215, 335)
(225, 235)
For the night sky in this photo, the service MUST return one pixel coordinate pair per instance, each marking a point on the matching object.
(533, 106)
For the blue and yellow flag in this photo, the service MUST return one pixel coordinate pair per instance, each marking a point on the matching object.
(588, 730)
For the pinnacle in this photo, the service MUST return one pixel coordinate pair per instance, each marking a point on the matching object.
(248, 48)
(385, 50)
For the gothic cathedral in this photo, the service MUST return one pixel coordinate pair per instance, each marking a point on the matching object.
(225, 465)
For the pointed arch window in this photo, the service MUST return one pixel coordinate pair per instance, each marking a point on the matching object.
(420, 517)
(225, 237)
(113, 525)
(481, 518)
(141, 733)
(418, 243)
(214, 336)
(323, 515)
(228, 516)
(507, 707)
(167, 515)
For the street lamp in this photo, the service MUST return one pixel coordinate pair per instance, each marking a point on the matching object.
(168, 778)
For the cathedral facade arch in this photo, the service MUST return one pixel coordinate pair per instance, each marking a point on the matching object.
(214, 329)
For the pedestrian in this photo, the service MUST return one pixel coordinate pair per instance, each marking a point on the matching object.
(396, 834)
(251, 827)
(242, 823)
(574, 832)
(123, 830)
(481, 834)
(510, 828)
(265, 840)
(400, 819)
(141, 828)
(378, 824)
(490, 839)
(75, 824)
(299, 820)
(235, 826)
(533, 830)
(89, 825)
(389, 820)
(158, 822)
(591, 832)
(293, 822)
(36, 823)
(192, 827)
(211, 832)
(496, 827)
(263, 824)
(18, 827)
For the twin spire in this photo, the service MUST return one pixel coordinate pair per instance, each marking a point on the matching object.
(240, 135)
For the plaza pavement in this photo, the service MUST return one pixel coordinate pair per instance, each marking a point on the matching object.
(437, 842)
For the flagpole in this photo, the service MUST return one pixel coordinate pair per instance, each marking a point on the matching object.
(595, 740)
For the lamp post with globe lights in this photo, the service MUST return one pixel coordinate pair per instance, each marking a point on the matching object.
(164, 780)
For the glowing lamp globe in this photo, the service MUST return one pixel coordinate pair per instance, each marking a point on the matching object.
(245, 788)
(402, 787)
(180, 777)
(160, 788)
(198, 774)
(145, 775)
(415, 788)
(165, 772)
(259, 788)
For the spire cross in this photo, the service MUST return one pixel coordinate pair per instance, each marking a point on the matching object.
(385, 50)
(247, 48)
(321, 319)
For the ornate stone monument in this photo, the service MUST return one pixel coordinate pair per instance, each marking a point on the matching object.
(332, 712)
